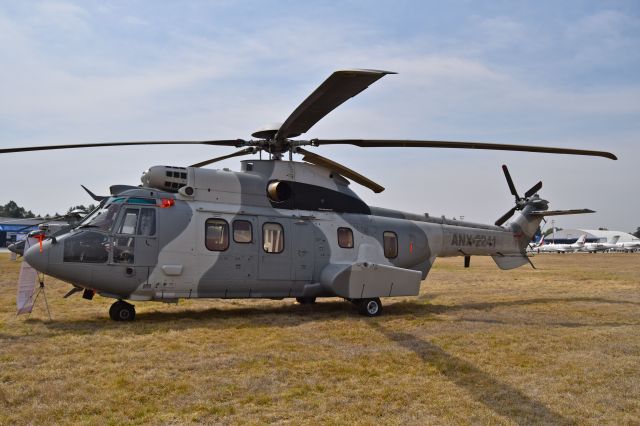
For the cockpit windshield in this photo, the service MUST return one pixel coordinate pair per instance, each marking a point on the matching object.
(104, 216)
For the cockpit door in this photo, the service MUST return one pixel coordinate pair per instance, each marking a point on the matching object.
(135, 238)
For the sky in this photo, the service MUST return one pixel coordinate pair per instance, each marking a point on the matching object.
(546, 73)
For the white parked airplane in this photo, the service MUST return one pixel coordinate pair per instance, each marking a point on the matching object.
(627, 246)
(595, 247)
(561, 248)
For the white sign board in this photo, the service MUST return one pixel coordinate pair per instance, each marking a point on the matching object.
(27, 283)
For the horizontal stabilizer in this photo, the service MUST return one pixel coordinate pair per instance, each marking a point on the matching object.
(560, 212)
(510, 261)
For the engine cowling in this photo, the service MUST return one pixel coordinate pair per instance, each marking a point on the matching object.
(165, 178)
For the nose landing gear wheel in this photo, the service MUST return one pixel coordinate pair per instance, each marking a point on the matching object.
(370, 307)
(122, 311)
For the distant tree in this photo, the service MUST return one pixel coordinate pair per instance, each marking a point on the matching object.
(11, 209)
(637, 233)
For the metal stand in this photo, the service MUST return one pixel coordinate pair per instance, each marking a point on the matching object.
(41, 289)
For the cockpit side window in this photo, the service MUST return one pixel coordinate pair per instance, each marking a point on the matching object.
(86, 247)
(147, 222)
(128, 222)
(104, 218)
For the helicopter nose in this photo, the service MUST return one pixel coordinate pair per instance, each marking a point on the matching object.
(39, 260)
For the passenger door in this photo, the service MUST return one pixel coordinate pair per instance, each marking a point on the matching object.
(303, 243)
(275, 249)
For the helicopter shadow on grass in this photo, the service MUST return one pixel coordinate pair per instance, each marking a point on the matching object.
(409, 307)
(230, 317)
(502, 398)
(270, 315)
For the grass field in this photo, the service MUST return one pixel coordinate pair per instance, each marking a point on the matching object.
(559, 345)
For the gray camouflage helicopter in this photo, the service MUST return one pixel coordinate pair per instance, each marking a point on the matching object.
(278, 228)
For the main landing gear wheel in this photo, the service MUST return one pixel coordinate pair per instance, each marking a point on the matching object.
(370, 307)
(306, 300)
(122, 311)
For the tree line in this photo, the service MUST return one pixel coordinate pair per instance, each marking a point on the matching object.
(14, 211)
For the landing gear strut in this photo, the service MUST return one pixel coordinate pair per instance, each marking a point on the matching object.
(122, 311)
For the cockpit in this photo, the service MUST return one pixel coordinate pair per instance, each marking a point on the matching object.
(109, 233)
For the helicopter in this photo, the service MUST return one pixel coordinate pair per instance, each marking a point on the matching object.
(278, 228)
(49, 228)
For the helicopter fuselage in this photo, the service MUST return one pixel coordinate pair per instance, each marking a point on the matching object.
(276, 229)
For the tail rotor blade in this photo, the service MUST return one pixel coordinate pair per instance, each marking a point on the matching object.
(506, 216)
(512, 187)
(535, 188)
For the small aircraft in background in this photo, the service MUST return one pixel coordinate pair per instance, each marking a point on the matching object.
(49, 228)
(606, 246)
(561, 248)
(628, 246)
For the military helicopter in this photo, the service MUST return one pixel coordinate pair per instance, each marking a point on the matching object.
(278, 228)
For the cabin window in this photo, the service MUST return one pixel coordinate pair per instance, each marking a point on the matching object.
(345, 237)
(390, 244)
(147, 223)
(242, 231)
(272, 237)
(217, 234)
(128, 222)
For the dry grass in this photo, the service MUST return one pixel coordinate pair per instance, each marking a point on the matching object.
(560, 344)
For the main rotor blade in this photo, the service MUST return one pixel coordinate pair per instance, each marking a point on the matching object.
(224, 142)
(535, 188)
(560, 212)
(340, 86)
(319, 160)
(384, 143)
(245, 151)
(506, 216)
(512, 187)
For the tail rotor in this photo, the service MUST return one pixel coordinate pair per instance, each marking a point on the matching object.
(520, 201)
